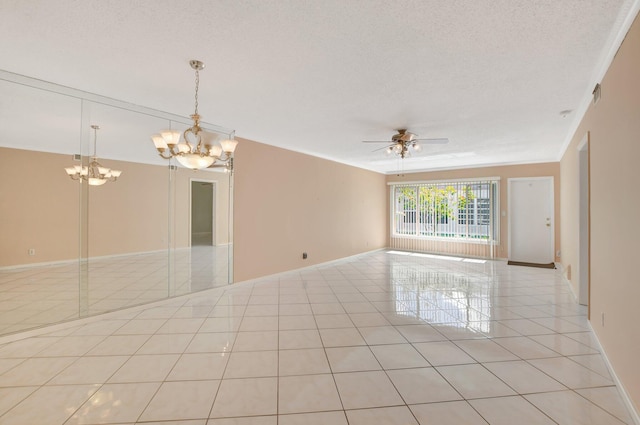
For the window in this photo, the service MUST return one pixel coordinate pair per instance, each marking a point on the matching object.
(457, 209)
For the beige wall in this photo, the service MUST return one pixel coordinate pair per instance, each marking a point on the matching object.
(39, 208)
(505, 173)
(614, 128)
(287, 203)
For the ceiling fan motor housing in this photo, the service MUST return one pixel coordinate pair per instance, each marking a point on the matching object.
(403, 136)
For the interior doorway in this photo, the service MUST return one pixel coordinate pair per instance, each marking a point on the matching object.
(203, 196)
(583, 231)
(531, 227)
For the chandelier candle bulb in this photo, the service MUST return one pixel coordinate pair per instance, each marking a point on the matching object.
(215, 151)
(229, 146)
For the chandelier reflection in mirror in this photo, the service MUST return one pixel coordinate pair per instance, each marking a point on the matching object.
(197, 149)
(95, 174)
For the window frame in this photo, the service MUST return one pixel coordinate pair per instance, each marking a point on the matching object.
(494, 216)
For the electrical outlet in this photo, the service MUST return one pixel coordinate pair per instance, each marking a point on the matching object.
(304, 255)
(32, 251)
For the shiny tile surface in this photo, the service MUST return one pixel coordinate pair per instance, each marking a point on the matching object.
(47, 294)
(379, 338)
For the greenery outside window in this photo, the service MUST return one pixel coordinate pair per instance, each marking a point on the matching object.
(454, 210)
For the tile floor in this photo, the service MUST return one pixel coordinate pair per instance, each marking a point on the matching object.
(382, 338)
(35, 296)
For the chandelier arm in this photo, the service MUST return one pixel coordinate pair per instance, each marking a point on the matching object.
(162, 155)
(172, 151)
(190, 130)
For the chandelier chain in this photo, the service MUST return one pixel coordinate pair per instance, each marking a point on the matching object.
(197, 86)
(95, 139)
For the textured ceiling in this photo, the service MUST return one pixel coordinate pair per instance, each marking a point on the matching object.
(321, 76)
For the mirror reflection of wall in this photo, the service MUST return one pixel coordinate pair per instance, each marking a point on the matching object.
(67, 251)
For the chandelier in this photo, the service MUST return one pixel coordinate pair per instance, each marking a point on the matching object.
(94, 174)
(196, 150)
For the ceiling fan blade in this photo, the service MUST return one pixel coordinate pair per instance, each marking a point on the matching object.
(441, 141)
(384, 147)
(376, 141)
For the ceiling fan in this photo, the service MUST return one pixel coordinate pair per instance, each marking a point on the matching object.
(403, 140)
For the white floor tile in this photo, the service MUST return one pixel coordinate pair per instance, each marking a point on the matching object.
(119, 345)
(563, 345)
(246, 397)
(509, 411)
(398, 356)
(308, 393)
(90, 370)
(145, 368)
(253, 420)
(567, 407)
(329, 321)
(423, 385)
(420, 333)
(366, 389)
(570, 373)
(351, 359)
(609, 399)
(199, 366)
(400, 415)
(215, 342)
(308, 347)
(166, 344)
(115, 403)
(287, 323)
(450, 413)
(252, 364)
(443, 353)
(523, 377)
(526, 348)
(303, 362)
(49, 405)
(9, 397)
(474, 381)
(181, 400)
(485, 350)
(378, 335)
(341, 337)
(320, 418)
(35, 371)
(289, 340)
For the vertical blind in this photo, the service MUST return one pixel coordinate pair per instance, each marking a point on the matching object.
(452, 217)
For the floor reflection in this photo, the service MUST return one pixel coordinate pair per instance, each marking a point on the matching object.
(37, 296)
(376, 338)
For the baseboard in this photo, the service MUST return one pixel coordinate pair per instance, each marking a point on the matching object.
(75, 260)
(560, 268)
(312, 266)
(623, 392)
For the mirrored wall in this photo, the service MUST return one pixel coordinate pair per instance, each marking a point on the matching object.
(70, 250)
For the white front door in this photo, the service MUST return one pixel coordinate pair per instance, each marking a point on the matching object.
(531, 220)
